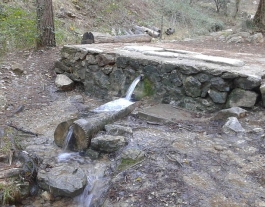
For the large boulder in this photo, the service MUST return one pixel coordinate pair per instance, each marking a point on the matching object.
(63, 180)
(241, 98)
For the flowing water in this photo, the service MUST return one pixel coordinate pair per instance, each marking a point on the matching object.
(68, 138)
(115, 105)
(132, 87)
(120, 103)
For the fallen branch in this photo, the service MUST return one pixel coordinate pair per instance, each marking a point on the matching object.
(22, 130)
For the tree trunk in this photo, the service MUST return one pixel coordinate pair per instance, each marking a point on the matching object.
(259, 17)
(45, 24)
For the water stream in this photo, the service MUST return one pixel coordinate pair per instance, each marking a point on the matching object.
(68, 138)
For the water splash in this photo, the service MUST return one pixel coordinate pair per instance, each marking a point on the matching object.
(68, 138)
(115, 105)
(132, 87)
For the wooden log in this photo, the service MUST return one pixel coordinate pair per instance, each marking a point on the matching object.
(151, 32)
(123, 39)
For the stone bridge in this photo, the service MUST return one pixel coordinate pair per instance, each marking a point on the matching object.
(183, 78)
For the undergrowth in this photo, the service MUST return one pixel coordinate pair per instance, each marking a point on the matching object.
(17, 28)
(9, 192)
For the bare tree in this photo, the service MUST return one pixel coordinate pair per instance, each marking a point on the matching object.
(45, 24)
(259, 17)
(221, 4)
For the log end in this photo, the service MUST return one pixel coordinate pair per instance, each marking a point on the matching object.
(61, 132)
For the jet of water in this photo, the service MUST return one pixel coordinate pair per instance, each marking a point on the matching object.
(68, 137)
(132, 87)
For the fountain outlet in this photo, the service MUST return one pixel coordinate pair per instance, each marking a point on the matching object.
(85, 128)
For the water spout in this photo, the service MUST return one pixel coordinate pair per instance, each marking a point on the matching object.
(68, 138)
(132, 87)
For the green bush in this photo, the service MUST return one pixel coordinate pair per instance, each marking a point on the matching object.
(17, 28)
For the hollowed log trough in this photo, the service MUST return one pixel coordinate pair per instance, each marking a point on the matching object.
(84, 129)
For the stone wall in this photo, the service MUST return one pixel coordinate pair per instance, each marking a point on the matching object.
(182, 78)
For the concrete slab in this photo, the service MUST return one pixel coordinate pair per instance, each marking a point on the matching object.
(166, 113)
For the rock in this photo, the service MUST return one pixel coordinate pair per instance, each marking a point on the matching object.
(17, 69)
(133, 153)
(64, 83)
(242, 98)
(192, 86)
(107, 69)
(262, 91)
(217, 96)
(219, 84)
(91, 59)
(234, 111)
(233, 125)
(92, 154)
(47, 196)
(248, 83)
(106, 59)
(108, 143)
(236, 39)
(63, 180)
(257, 38)
(118, 130)
(202, 77)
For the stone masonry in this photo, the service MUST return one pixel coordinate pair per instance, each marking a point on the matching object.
(186, 79)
